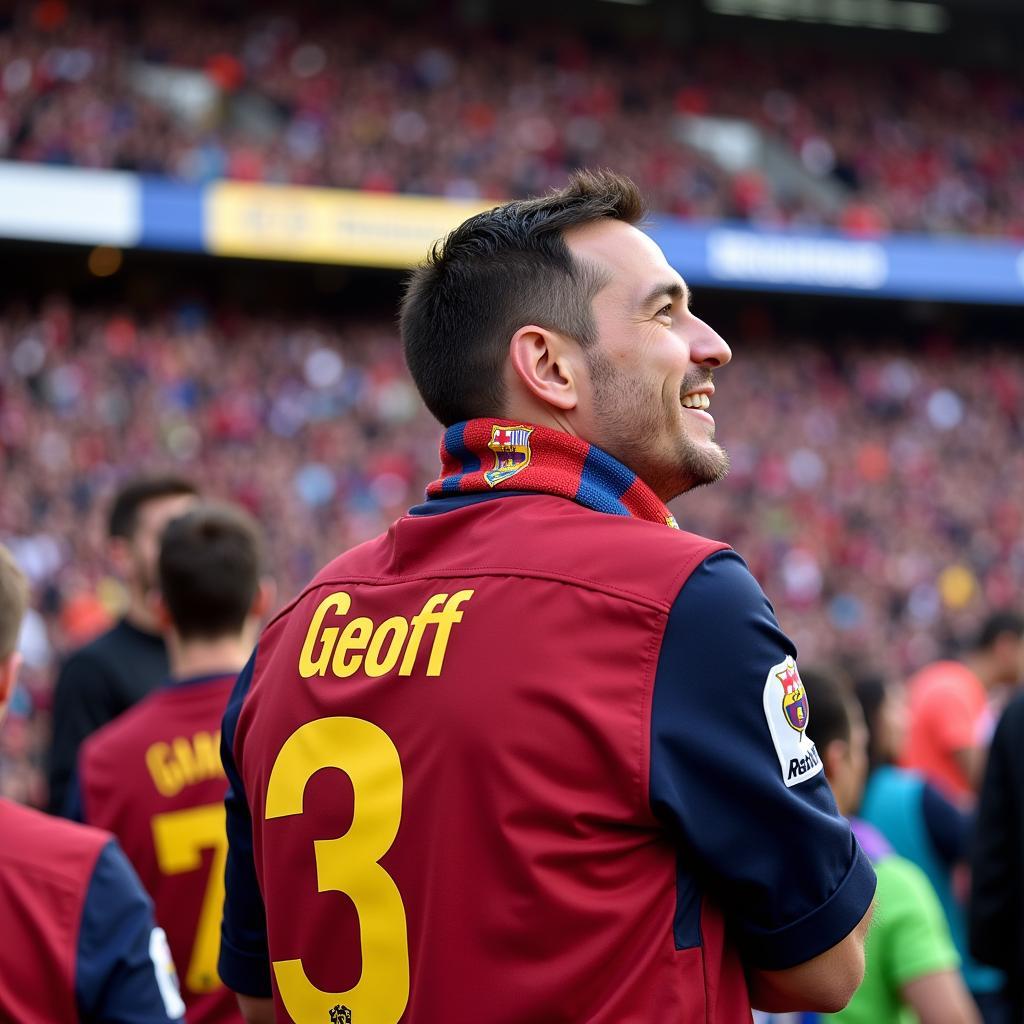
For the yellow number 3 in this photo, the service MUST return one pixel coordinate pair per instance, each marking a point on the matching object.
(349, 864)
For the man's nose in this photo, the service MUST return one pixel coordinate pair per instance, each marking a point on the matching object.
(707, 346)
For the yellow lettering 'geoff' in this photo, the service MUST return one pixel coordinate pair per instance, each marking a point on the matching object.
(184, 761)
(378, 648)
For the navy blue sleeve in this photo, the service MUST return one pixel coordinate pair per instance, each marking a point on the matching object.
(734, 773)
(947, 825)
(244, 964)
(124, 973)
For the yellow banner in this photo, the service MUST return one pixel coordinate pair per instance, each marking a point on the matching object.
(322, 225)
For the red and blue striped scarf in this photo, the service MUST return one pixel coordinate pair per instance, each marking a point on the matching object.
(506, 455)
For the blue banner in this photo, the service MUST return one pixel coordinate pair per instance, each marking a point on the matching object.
(262, 221)
(897, 266)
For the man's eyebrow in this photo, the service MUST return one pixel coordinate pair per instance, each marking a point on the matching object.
(673, 289)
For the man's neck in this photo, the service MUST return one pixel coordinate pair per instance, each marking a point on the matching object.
(192, 658)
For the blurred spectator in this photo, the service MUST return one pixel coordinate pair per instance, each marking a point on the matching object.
(923, 826)
(997, 857)
(911, 963)
(951, 707)
(117, 669)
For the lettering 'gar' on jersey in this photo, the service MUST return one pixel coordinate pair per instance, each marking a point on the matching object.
(517, 760)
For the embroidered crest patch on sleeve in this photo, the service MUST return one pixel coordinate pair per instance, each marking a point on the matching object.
(787, 711)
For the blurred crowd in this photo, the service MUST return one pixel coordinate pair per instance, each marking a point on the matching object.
(345, 99)
(877, 490)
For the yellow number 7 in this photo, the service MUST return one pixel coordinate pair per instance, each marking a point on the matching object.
(350, 864)
(180, 838)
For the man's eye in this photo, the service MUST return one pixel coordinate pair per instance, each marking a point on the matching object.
(665, 311)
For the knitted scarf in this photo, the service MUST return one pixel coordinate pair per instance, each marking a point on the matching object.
(503, 455)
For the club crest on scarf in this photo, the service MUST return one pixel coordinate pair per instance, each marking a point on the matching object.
(511, 447)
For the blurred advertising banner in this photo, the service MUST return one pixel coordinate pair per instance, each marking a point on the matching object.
(371, 229)
(322, 225)
(63, 204)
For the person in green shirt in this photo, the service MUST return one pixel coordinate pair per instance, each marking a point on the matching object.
(913, 969)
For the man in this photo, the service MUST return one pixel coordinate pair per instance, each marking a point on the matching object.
(569, 777)
(109, 674)
(77, 939)
(949, 707)
(912, 964)
(996, 909)
(154, 777)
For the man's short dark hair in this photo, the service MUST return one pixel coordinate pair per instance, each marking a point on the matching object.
(132, 495)
(13, 601)
(209, 568)
(497, 272)
(828, 702)
(998, 624)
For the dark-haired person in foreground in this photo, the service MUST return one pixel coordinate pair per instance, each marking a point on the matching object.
(77, 937)
(154, 776)
(110, 673)
(536, 754)
(912, 972)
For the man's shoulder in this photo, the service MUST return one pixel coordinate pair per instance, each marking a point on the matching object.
(114, 740)
(50, 845)
(525, 535)
(106, 650)
(541, 534)
(97, 651)
(936, 681)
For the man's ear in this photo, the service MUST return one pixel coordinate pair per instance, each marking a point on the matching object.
(266, 594)
(547, 364)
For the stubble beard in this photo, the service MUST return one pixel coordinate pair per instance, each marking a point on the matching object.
(632, 420)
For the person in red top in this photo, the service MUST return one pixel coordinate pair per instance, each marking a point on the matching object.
(153, 777)
(77, 937)
(535, 753)
(949, 708)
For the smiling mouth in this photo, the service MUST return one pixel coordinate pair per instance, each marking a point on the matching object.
(695, 401)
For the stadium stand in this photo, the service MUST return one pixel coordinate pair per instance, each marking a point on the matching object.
(347, 99)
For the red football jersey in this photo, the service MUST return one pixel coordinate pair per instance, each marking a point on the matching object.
(154, 778)
(528, 758)
(496, 710)
(45, 867)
